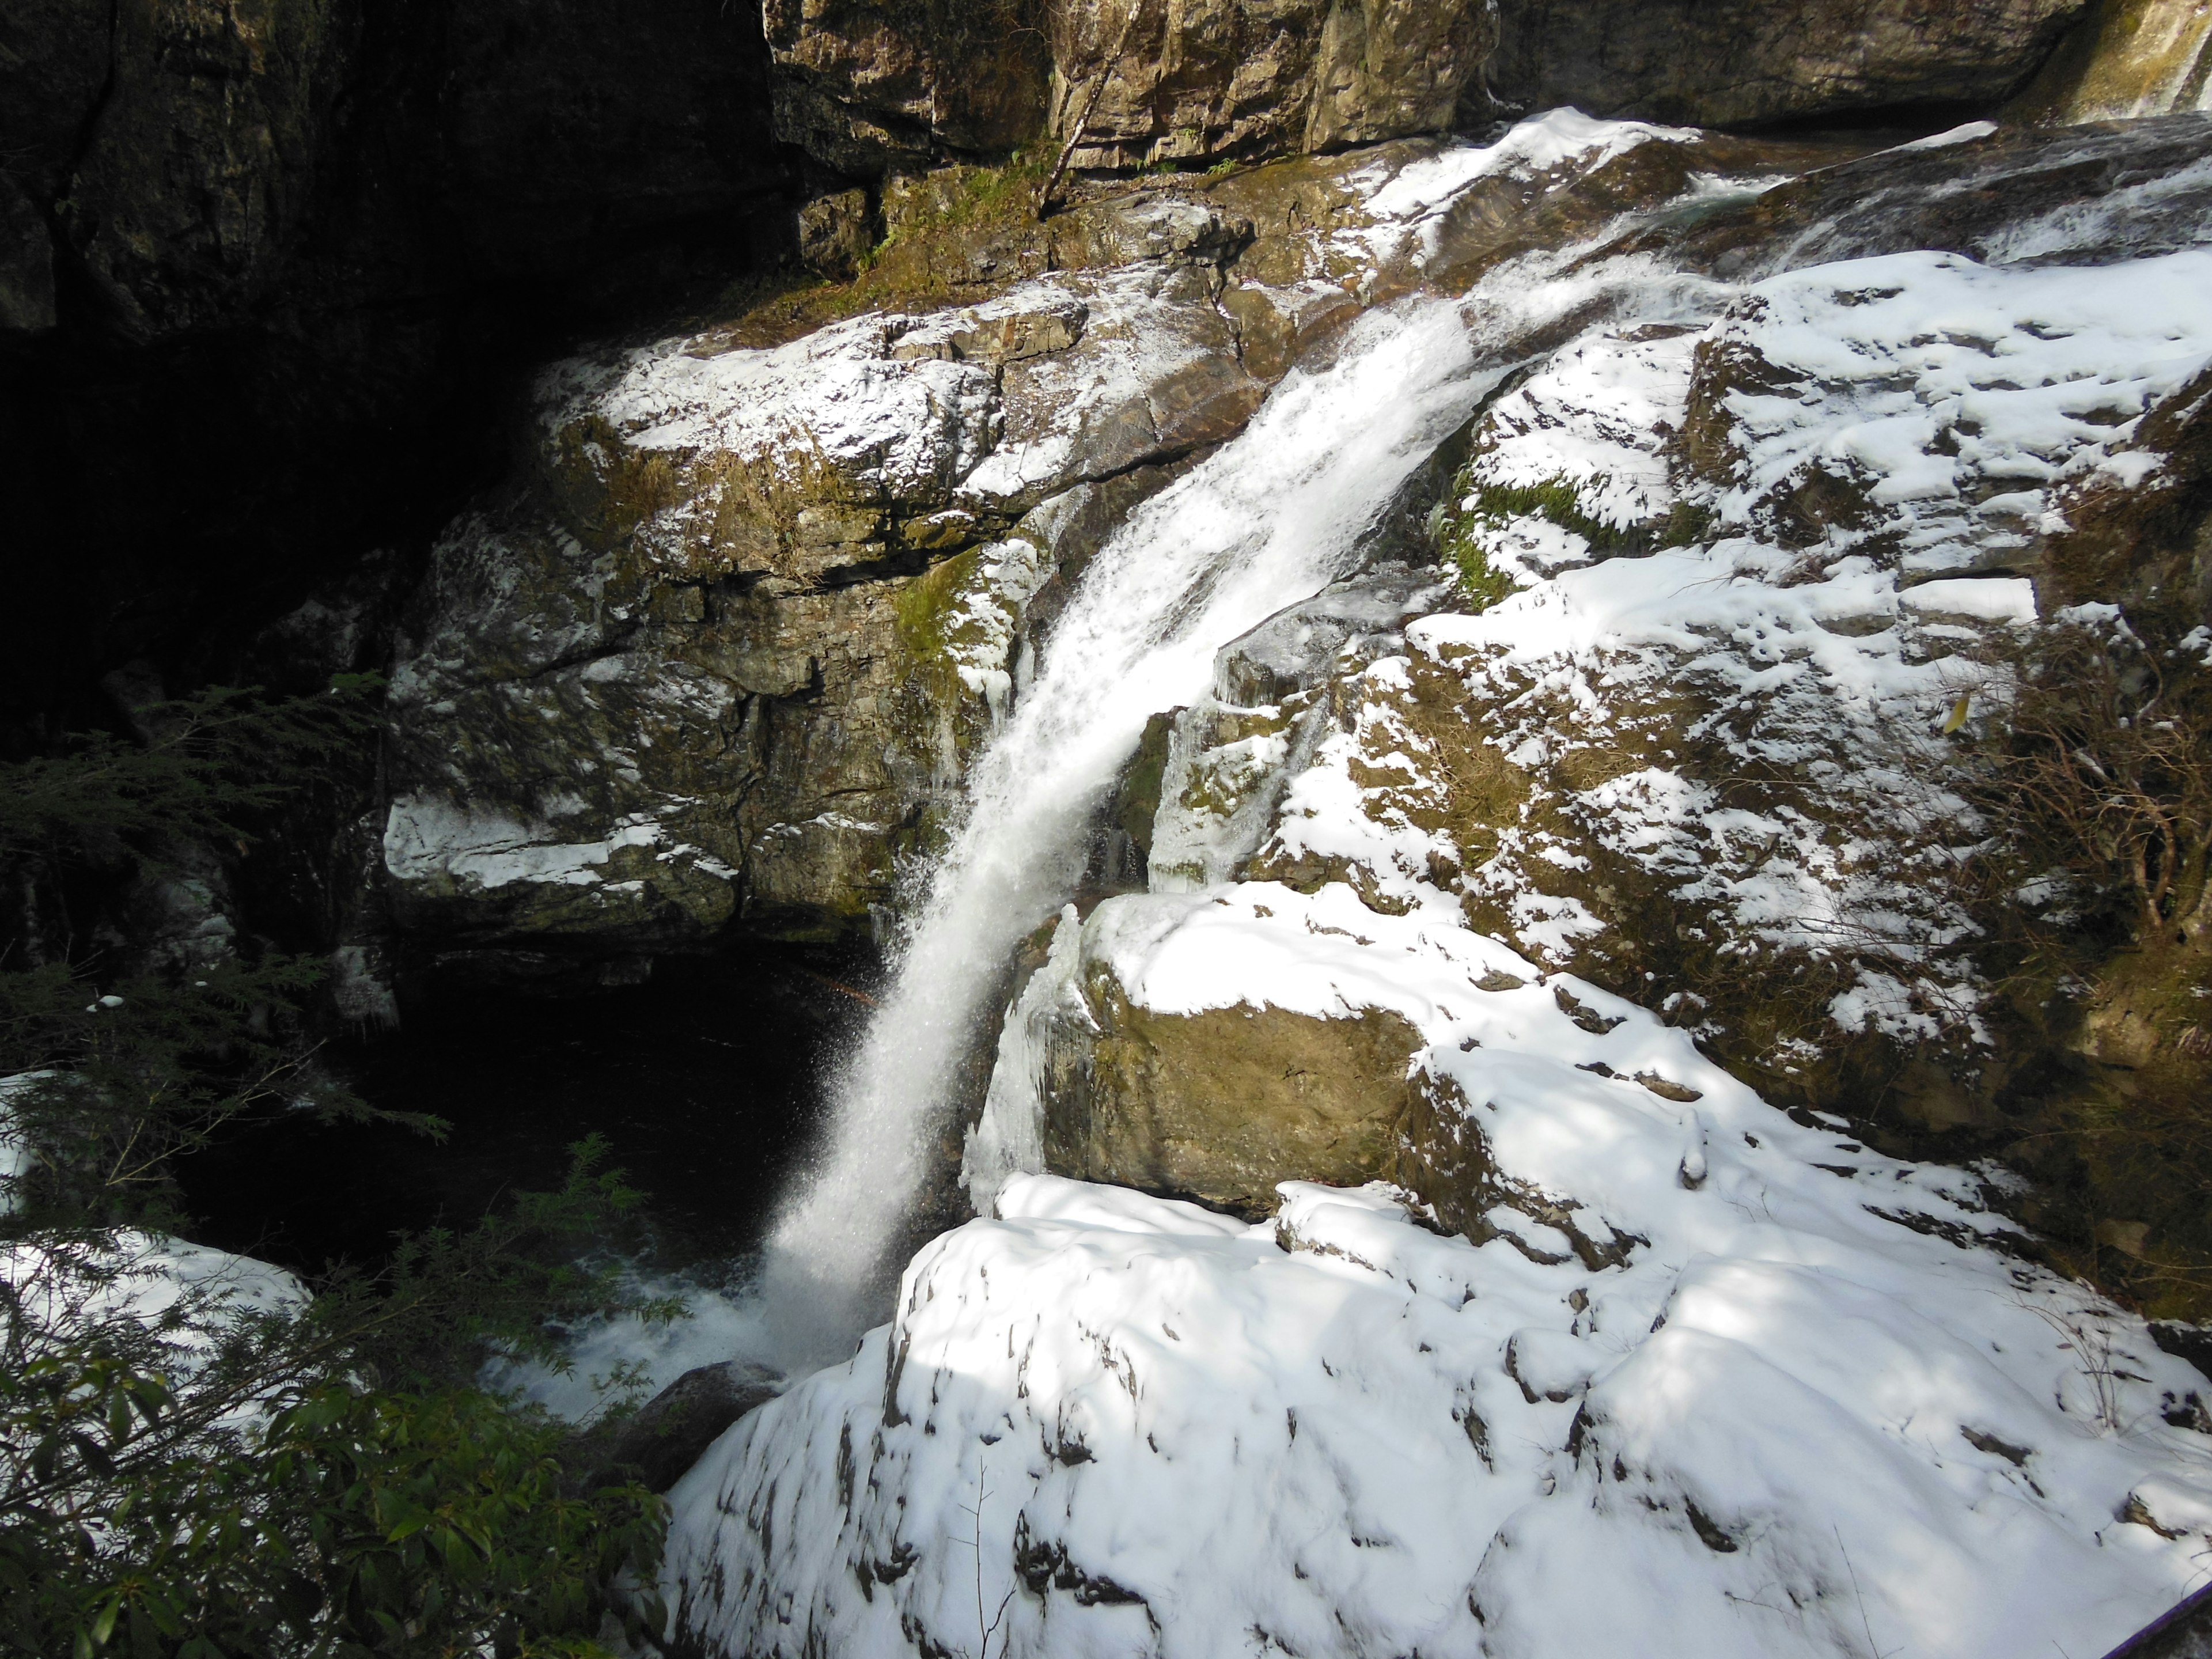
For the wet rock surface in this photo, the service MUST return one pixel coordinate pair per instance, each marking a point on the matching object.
(666, 1436)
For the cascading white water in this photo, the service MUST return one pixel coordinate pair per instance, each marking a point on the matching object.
(1268, 521)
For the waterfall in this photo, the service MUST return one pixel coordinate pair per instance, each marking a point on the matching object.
(1267, 521)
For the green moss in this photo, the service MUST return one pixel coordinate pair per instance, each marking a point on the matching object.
(1478, 583)
(924, 611)
(934, 221)
(1688, 525)
(1138, 800)
(969, 199)
(1556, 499)
(1475, 507)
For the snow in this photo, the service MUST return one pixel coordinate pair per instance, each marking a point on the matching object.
(189, 1292)
(1405, 209)
(1815, 1409)
(981, 631)
(1552, 139)
(15, 1158)
(1958, 135)
(1945, 406)
(987, 405)
(910, 426)
(1619, 393)
(428, 836)
(2003, 600)
(1924, 373)
(1263, 524)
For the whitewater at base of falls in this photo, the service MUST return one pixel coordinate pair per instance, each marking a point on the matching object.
(1268, 521)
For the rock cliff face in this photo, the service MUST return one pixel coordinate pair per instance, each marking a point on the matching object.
(199, 165)
(1143, 83)
(324, 233)
(1769, 60)
(1764, 640)
(867, 87)
(720, 656)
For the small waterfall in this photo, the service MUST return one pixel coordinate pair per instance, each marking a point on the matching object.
(1268, 521)
(2133, 57)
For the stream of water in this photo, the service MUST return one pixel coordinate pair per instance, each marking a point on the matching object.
(1268, 521)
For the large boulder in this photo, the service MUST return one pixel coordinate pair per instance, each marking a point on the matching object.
(1218, 1104)
(1767, 60)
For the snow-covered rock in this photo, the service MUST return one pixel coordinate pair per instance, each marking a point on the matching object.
(1105, 1424)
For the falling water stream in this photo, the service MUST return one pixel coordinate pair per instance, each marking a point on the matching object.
(1266, 522)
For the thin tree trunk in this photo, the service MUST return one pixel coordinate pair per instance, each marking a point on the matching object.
(1083, 121)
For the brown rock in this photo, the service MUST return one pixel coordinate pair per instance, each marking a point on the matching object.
(1230, 78)
(865, 85)
(1221, 1105)
(836, 233)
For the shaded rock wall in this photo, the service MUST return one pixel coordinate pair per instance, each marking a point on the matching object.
(1768, 60)
(267, 266)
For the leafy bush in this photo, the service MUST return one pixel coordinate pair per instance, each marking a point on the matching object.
(229, 1494)
(194, 1466)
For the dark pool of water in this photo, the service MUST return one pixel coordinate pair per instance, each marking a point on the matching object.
(705, 1081)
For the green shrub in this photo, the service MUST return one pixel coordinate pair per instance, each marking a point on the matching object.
(187, 1475)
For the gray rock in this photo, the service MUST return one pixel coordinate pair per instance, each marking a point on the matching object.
(1704, 65)
(673, 1428)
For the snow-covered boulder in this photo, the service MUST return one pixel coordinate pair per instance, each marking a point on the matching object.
(1104, 1424)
